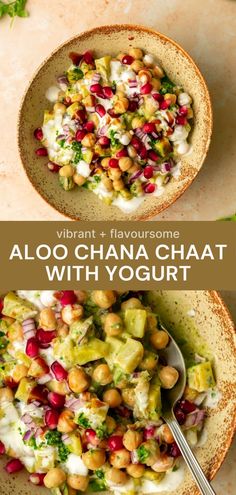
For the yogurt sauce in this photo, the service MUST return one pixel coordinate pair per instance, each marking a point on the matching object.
(170, 482)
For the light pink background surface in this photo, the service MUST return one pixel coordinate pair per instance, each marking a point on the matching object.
(205, 28)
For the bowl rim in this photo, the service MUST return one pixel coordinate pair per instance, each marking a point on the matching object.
(106, 28)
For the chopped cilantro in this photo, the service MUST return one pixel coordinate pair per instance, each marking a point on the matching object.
(77, 147)
(114, 141)
(166, 85)
(100, 474)
(98, 484)
(63, 452)
(75, 74)
(32, 443)
(83, 421)
(53, 437)
(97, 178)
(143, 453)
(175, 468)
(101, 431)
(61, 143)
(13, 9)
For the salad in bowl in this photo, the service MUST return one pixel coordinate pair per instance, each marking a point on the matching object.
(117, 126)
(81, 385)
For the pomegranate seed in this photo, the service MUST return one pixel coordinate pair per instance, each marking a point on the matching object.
(88, 58)
(180, 416)
(112, 113)
(44, 337)
(104, 141)
(149, 128)
(127, 60)
(148, 172)
(59, 372)
(68, 297)
(39, 393)
(80, 135)
(146, 89)
(115, 442)
(41, 152)
(53, 167)
(164, 104)
(107, 91)
(122, 153)
(100, 110)
(38, 134)
(173, 450)
(136, 143)
(113, 163)
(51, 419)
(56, 400)
(183, 111)
(89, 126)
(149, 188)
(143, 153)
(153, 155)
(91, 437)
(75, 57)
(157, 97)
(32, 347)
(2, 448)
(180, 120)
(96, 88)
(133, 106)
(149, 432)
(14, 466)
(81, 115)
(37, 478)
(186, 406)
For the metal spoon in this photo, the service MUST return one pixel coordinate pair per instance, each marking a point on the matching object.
(174, 357)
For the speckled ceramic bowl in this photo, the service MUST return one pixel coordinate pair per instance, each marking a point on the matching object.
(211, 327)
(82, 204)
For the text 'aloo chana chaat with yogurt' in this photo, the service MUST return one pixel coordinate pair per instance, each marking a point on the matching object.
(119, 127)
(80, 392)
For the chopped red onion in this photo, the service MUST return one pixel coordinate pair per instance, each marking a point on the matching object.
(74, 403)
(134, 457)
(165, 167)
(135, 176)
(155, 135)
(60, 137)
(28, 325)
(133, 83)
(28, 435)
(26, 418)
(194, 418)
(103, 130)
(96, 78)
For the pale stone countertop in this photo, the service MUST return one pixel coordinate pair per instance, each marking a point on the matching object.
(205, 28)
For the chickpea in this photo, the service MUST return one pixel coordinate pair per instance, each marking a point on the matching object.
(62, 329)
(145, 76)
(78, 482)
(116, 476)
(156, 83)
(107, 183)
(70, 313)
(66, 422)
(125, 163)
(166, 434)
(113, 324)
(60, 108)
(152, 322)
(132, 439)
(78, 380)
(94, 459)
(105, 162)
(158, 72)
(128, 396)
(137, 65)
(120, 458)
(137, 122)
(132, 303)
(120, 430)
(47, 319)
(54, 478)
(114, 174)
(102, 374)
(121, 106)
(20, 371)
(120, 56)
(149, 361)
(118, 185)
(111, 424)
(6, 394)
(135, 470)
(58, 387)
(159, 339)
(168, 376)
(171, 97)
(163, 464)
(66, 171)
(104, 298)
(132, 151)
(89, 140)
(112, 397)
(79, 179)
(136, 53)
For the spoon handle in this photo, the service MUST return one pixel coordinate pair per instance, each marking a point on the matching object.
(190, 459)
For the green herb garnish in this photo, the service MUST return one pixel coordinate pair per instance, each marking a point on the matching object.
(13, 9)
(143, 453)
(77, 147)
(63, 452)
(101, 431)
(232, 218)
(97, 178)
(166, 85)
(53, 437)
(83, 421)
(114, 141)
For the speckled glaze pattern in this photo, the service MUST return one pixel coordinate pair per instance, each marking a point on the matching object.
(81, 204)
(212, 322)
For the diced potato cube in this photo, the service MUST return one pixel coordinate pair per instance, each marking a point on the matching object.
(135, 321)
(93, 350)
(18, 308)
(200, 377)
(24, 389)
(129, 356)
